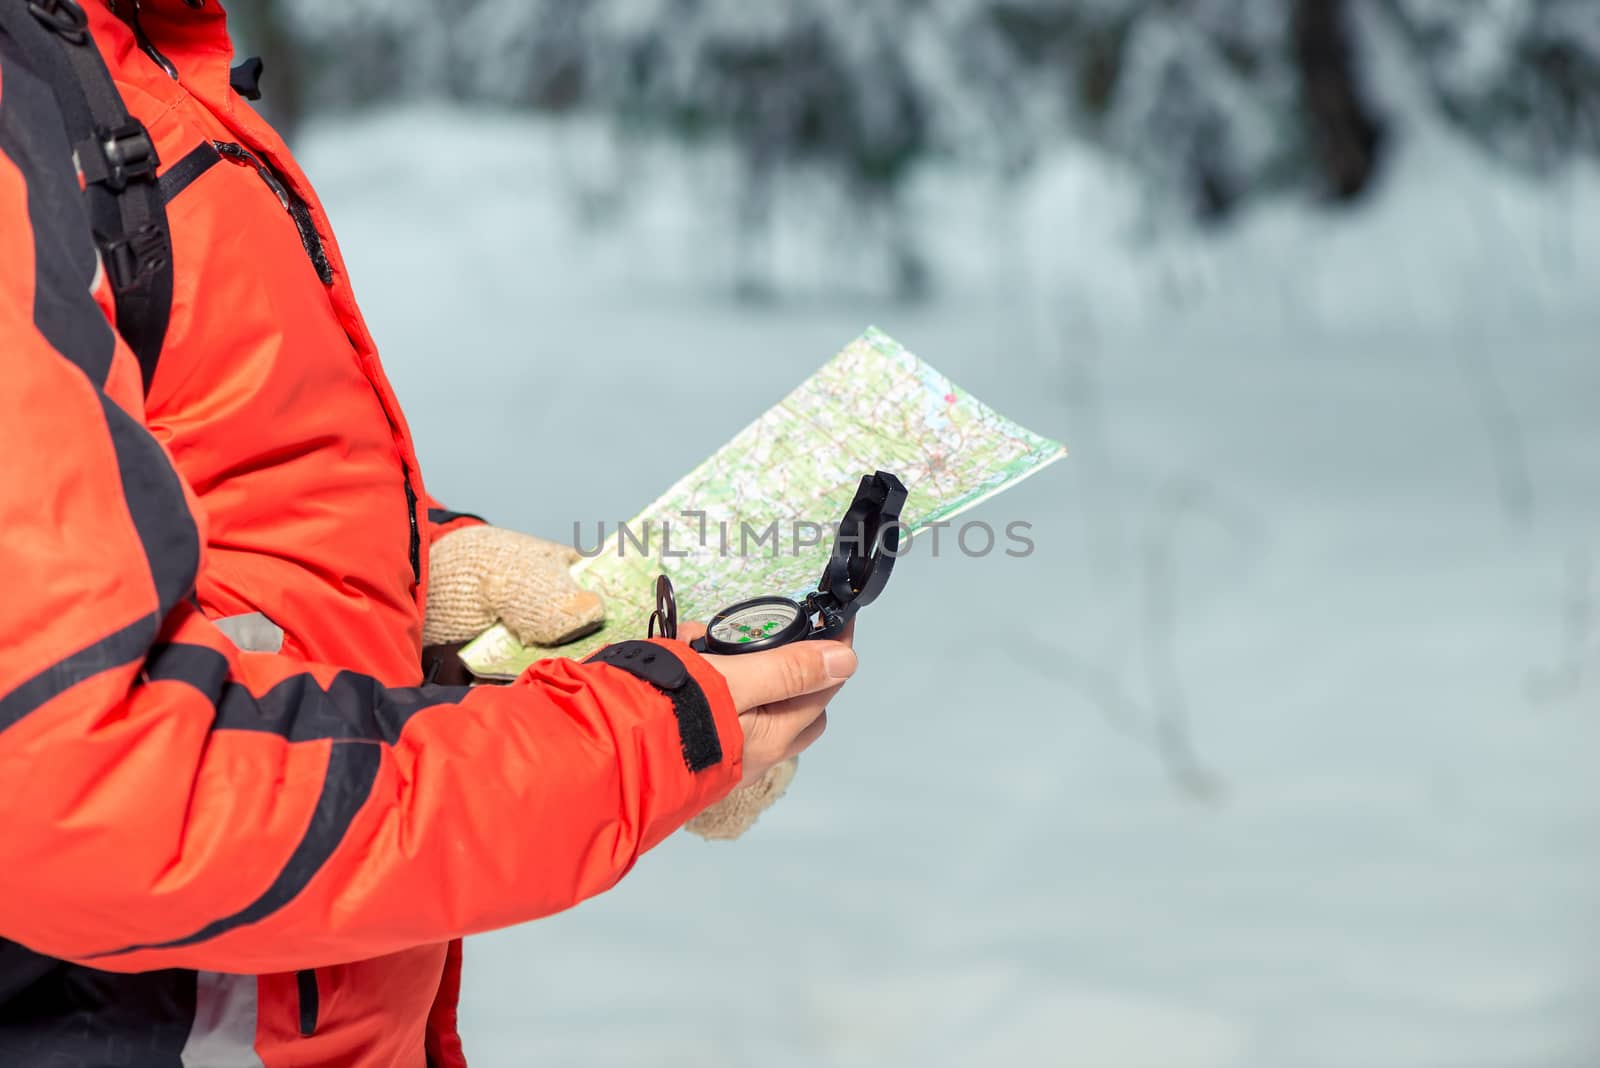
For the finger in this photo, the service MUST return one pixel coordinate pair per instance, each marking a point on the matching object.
(765, 678)
(805, 738)
(542, 604)
(551, 550)
(771, 730)
(806, 704)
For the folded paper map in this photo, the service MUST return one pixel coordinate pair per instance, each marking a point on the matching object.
(757, 517)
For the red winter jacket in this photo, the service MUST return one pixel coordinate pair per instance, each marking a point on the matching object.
(314, 817)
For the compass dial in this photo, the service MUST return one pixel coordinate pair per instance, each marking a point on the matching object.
(745, 625)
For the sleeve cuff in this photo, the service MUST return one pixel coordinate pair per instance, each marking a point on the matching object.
(690, 746)
(441, 521)
(725, 717)
(713, 783)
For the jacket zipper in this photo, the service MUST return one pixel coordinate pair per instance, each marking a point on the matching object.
(310, 1001)
(297, 209)
(144, 41)
(416, 532)
(312, 242)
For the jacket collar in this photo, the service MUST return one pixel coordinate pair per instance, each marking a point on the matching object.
(193, 39)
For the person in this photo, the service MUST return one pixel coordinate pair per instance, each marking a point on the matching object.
(240, 826)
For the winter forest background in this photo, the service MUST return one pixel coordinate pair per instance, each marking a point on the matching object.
(1212, 104)
(1280, 750)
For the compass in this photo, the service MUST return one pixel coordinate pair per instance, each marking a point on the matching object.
(756, 624)
(863, 555)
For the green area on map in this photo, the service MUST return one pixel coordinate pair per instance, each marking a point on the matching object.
(756, 517)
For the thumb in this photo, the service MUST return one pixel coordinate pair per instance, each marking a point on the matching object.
(793, 670)
(550, 550)
(541, 603)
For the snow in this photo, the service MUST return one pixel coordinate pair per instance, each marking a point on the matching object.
(1280, 748)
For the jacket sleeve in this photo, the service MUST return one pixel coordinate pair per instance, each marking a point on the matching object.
(168, 801)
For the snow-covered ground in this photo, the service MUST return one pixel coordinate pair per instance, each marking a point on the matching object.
(1281, 748)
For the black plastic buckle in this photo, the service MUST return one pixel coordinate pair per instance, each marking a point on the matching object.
(129, 260)
(129, 154)
(62, 17)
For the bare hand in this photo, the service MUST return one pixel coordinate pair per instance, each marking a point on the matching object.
(782, 694)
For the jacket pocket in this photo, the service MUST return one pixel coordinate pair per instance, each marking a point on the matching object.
(310, 1001)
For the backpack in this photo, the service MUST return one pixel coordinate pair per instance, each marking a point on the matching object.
(118, 162)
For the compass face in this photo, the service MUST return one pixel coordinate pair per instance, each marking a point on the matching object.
(753, 623)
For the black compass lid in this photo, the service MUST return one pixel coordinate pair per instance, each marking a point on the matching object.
(868, 541)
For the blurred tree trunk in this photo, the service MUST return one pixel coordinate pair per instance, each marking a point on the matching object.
(284, 72)
(1346, 137)
(263, 29)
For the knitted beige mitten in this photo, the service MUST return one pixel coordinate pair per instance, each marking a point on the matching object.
(737, 813)
(480, 575)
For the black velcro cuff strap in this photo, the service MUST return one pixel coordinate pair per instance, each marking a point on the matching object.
(440, 516)
(661, 668)
(116, 156)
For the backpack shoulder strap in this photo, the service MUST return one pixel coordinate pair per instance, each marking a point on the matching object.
(118, 162)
